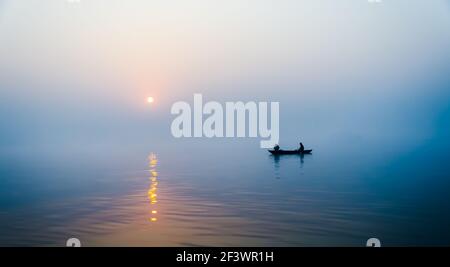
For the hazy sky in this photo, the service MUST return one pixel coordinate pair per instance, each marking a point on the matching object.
(83, 70)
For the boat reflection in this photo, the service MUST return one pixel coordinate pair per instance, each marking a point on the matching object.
(276, 163)
(277, 159)
(152, 192)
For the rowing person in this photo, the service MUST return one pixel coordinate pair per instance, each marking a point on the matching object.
(302, 148)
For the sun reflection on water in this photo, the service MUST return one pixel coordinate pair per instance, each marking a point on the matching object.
(152, 196)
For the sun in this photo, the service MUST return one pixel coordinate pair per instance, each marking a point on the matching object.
(150, 99)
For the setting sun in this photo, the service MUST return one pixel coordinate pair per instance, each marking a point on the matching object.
(150, 99)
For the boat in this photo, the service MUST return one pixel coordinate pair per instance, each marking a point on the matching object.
(290, 152)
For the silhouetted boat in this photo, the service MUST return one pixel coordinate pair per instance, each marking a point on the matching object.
(289, 152)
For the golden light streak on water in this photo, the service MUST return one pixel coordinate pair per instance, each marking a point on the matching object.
(152, 196)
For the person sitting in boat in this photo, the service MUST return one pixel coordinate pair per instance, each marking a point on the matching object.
(276, 147)
(302, 148)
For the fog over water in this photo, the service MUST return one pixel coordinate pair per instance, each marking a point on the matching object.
(366, 86)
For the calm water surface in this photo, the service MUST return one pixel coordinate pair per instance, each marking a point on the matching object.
(224, 195)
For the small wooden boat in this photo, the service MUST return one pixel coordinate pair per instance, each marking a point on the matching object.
(290, 152)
